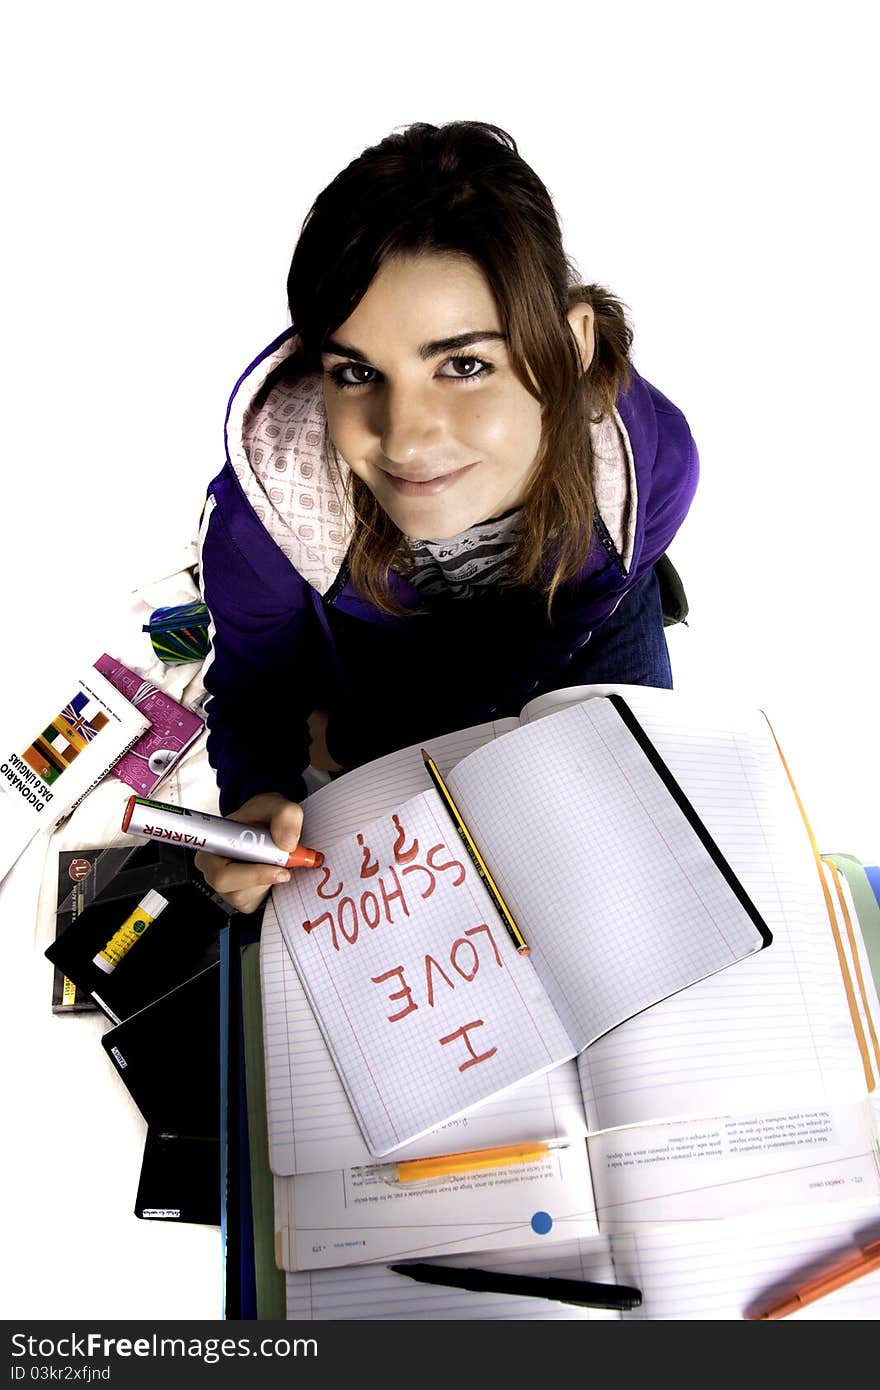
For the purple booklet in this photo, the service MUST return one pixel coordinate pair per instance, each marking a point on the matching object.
(172, 728)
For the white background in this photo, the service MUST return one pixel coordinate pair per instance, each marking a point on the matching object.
(714, 169)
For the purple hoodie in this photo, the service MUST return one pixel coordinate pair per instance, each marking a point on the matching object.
(285, 643)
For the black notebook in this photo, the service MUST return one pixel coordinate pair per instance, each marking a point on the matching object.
(179, 1179)
(168, 1057)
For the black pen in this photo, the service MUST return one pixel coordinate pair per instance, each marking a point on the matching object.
(580, 1292)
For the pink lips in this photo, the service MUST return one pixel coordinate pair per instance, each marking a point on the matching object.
(410, 487)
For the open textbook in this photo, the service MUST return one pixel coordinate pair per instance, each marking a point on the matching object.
(723, 1271)
(592, 852)
(336, 1207)
(759, 1074)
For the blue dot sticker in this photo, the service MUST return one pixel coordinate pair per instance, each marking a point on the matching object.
(542, 1223)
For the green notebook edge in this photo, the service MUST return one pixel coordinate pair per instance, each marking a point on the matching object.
(866, 904)
(271, 1302)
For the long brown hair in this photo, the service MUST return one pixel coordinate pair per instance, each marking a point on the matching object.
(464, 188)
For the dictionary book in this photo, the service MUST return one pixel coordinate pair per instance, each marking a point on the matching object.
(48, 767)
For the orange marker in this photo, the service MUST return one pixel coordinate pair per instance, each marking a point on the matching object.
(836, 1277)
(214, 834)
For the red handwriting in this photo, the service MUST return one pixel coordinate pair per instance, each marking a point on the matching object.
(432, 967)
(367, 909)
(348, 915)
(401, 855)
(325, 879)
(369, 866)
(462, 1032)
(441, 868)
(404, 993)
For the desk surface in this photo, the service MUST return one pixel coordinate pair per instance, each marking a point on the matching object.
(74, 1248)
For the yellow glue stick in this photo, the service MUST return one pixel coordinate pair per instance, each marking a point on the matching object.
(135, 925)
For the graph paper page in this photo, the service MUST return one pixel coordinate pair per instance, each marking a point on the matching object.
(619, 900)
(312, 1127)
(425, 1003)
(776, 1031)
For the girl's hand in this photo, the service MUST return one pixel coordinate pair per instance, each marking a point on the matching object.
(244, 886)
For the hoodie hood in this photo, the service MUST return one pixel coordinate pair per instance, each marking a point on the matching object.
(294, 477)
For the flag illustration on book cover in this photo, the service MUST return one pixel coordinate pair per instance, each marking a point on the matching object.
(72, 752)
(52, 751)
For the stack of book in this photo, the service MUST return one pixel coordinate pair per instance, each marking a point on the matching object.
(162, 1000)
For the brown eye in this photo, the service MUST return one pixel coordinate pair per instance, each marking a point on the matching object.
(466, 368)
(339, 375)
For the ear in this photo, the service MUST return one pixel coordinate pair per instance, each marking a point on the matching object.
(582, 322)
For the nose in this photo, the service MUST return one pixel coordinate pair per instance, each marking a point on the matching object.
(412, 424)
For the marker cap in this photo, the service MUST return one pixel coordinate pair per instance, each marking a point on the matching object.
(303, 858)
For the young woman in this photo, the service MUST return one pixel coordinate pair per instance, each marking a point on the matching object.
(446, 486)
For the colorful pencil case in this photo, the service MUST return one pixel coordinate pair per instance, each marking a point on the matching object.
(180, 633)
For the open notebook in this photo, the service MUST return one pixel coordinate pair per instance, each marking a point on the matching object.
(786, 1070)
(709, 1272)
(337, 1208)
(600, 858)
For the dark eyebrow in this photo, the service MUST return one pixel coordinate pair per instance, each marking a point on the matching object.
(426, 351)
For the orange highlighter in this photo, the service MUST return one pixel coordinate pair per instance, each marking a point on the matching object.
(867, 1259)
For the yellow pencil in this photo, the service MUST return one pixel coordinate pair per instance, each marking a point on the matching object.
(446, 1165)
(476, 858)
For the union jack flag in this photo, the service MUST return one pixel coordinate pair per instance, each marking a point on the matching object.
(74, 715)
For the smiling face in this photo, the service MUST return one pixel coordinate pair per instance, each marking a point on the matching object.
(422, 400)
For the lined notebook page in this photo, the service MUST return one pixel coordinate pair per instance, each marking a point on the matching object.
(376, 1293)
(717, 1270)
(312, 1127)
(342, 807)
(776, 1030)
(426, 1005)
(723, 1271)
(620, 901)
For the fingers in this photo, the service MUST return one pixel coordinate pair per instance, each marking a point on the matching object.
(244, 885)
(284, 818)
